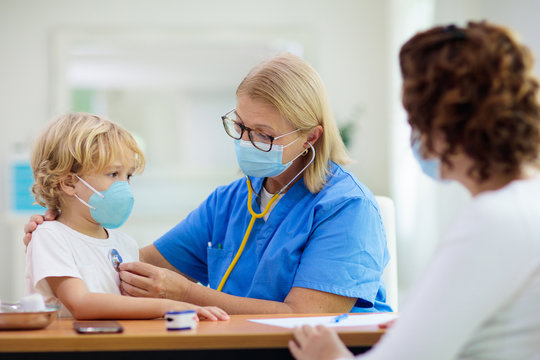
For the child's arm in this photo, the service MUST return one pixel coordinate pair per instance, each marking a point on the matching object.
(82, 304)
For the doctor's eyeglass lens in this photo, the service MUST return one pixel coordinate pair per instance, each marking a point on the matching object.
(235, 129)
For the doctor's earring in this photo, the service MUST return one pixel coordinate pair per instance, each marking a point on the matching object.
(306, 150)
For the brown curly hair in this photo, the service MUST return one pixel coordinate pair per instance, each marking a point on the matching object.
(474, 84)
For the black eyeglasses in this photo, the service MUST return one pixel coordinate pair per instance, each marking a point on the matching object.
(235, 129)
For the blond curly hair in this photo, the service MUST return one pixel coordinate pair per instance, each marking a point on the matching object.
(78, 143)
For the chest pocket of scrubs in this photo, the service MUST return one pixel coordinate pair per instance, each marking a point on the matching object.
(218, 262)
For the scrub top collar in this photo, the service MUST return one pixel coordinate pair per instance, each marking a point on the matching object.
(263, 230)
(295, 192)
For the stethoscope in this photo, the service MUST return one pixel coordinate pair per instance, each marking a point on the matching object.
(115, 258)
(255, 216)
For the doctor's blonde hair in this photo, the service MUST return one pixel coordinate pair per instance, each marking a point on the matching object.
(290, 84)
(78, 143)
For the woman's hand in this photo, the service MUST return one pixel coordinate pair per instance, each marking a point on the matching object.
(319, 343)
(33, 223)
(388, 324)
(144, 280)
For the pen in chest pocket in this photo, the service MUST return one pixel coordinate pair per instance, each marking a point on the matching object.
(219, 245)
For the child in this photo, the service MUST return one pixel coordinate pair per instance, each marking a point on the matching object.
(82, 165)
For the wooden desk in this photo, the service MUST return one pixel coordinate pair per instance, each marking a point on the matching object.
(150, 335)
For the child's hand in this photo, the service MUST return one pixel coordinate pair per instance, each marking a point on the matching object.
(211, 313)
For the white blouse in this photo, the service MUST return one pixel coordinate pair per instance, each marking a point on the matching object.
(480, 296)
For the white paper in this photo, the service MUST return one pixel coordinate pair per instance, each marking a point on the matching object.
(351, 320)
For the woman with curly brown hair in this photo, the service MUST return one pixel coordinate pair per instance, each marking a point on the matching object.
(473, 109)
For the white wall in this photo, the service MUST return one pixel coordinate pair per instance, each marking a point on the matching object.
(519, 15)
(349, 43)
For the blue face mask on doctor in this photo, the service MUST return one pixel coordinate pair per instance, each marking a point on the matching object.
(112, 207)
(257, 163)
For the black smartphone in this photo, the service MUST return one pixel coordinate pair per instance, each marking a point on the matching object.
(97, 327)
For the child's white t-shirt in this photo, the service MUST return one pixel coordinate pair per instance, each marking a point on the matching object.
(56, 250)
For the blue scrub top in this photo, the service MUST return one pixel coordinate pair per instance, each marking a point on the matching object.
(331, 241)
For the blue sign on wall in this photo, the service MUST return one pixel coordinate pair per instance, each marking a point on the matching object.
(22, 198)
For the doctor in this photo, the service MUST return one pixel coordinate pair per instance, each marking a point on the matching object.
(298, 234)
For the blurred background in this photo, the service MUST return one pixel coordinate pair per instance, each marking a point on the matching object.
(168, 69)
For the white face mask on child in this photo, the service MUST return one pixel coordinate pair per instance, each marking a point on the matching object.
(112, 207)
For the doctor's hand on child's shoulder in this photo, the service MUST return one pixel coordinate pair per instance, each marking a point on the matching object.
(33, 223)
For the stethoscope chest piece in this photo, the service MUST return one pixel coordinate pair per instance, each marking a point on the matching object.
(115, 258)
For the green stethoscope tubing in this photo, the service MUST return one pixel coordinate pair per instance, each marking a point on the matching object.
(255, 216)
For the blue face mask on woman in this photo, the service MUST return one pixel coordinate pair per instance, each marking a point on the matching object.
(257, 163)
(112, 207)
(430, 167)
